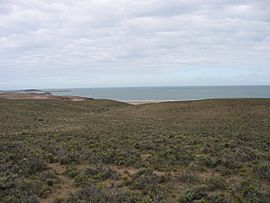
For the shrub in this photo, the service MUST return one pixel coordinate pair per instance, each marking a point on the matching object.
(94, 174)
(246, 191)
(210, 162)
(100, 173)
(193, 194)
(93, 194)
(66, 160)
(230, 161)
(216, 183)
(187, 177)
(183, 157)
(262, 171)
(89, 193)
(83, 179)
(216, 198)
(131, 197)
(33, 165)
(149, 183)
(31, 187)
(6, 182)
(15, 199)
(47, 175)
(252, 193)
(71, 171)
(26, 190)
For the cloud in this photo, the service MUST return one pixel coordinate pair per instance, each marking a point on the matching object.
(107, 37)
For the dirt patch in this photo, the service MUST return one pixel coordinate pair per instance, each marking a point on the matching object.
(174, 192)
(145, 157)
(204, 176)
(57, 168)
(125, 170)
(65, 188)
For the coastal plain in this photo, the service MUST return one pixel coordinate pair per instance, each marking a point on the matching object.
(82, 150)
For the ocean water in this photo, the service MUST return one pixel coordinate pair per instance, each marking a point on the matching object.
(168, 93)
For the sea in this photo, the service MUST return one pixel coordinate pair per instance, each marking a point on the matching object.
(180, 93)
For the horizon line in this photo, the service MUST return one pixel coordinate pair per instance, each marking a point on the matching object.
(16, 89)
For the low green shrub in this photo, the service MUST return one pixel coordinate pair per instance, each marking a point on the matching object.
(246, 191)
(187, 177)
(94, 174)
(193, 194)
(230, 161)
(33, 165)
(93, 194)
(83, 179)
(210, 162)
(72, 171)
(26, 190)
(149, 183)
(262, 170)
(216, 198)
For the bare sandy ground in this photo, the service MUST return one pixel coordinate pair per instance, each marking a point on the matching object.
(138, 102)
(25, 96)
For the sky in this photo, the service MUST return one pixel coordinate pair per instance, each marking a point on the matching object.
(117, 43)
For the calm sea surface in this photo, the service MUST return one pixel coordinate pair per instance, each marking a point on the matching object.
(169, 93)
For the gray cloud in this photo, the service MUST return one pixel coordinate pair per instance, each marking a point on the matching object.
(99, 37)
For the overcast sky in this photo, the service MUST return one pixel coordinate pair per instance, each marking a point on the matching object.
(108, 43)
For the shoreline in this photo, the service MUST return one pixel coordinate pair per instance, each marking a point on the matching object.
(39, 96)
(138, 102)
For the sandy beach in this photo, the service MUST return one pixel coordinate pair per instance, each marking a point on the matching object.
(138, 102)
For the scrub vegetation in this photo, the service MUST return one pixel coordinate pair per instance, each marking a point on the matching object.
(106, 151)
